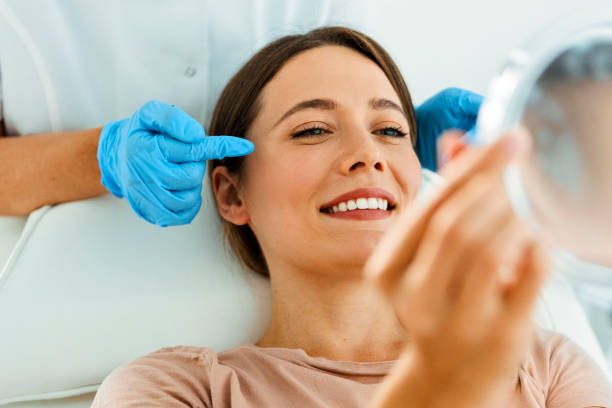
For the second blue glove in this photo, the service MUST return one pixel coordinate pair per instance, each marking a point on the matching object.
(451, 108)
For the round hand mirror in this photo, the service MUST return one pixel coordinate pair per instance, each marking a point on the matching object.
(558, 86)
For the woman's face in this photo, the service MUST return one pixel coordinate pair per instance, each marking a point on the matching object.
(330, 123)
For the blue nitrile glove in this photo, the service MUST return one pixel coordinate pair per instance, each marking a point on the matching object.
(157, 160)
(452, 108)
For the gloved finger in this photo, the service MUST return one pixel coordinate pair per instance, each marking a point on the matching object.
(464, 106)
(171, 121)
(470, 102)
(180, 217)
(177, 201)
(218, 147)
(165, 207)
(211, 147)
(182, 176)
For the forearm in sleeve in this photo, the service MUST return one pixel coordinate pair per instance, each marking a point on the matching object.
(48, 168)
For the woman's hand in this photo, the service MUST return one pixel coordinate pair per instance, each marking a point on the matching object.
(469, 325)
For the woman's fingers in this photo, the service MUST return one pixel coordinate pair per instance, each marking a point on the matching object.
(479, 297)
(446, 232)
(473, 229)
(448, 146)
(532, 271)
(442, 272)
(396, 250)
(454, 235)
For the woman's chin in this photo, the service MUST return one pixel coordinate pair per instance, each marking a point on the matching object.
(343, 252)
(357, 251)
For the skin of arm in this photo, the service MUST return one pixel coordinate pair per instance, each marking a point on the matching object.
(48, 168)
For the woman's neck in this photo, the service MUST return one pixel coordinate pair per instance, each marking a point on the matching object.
(338, 319)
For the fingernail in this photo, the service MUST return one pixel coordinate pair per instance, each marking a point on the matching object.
(468, 137)
(510, 146)
(443, 159)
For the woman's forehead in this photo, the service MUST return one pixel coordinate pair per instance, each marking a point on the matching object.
(330, 72)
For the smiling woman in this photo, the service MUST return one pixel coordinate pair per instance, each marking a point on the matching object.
(324, 207)
(241, 102)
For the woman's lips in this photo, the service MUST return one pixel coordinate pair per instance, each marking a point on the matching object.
(374, 192)
(361, 214)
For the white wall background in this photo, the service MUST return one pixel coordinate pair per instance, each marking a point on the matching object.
(466, 41)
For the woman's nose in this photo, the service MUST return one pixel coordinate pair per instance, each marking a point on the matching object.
(362, 154)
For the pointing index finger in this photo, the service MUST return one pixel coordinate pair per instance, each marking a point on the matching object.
(218, 147)
(211, 147)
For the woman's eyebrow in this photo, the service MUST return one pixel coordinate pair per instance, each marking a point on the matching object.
(382, 103)
(324, 104)
(329, 104)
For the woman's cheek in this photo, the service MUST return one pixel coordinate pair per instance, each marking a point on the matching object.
(406, 169)
(283, 176)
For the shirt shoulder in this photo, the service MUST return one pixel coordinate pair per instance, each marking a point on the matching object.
(176, 376)
(564, 374)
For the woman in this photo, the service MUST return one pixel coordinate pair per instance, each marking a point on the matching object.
(327, 194)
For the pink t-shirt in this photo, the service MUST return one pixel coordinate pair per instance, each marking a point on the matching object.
(556, 374)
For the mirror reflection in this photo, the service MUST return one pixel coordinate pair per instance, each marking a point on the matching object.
(567, 177)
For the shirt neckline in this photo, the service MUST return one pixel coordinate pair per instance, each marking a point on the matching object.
(299, 356)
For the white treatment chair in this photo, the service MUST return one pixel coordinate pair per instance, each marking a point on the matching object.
(89, 286)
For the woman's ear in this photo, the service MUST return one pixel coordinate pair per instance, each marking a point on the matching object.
(229, 201)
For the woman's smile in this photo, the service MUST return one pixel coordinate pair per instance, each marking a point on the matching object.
(359, 214)
(361, 204)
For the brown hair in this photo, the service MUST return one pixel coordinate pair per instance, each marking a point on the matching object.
(240, 103)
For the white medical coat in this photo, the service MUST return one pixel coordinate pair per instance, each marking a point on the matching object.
(78, 64)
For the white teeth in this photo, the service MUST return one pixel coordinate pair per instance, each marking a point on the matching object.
(362, 203)
(371, 203)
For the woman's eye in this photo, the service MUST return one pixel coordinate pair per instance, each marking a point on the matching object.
(318, 131)
(310, 132)
(392, 131)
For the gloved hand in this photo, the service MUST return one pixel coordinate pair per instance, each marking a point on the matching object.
(157, 160)
(452, 108)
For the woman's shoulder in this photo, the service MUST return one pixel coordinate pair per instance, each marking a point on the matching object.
(551, 351)
(563, 372)
(158, 378)
(175, 357)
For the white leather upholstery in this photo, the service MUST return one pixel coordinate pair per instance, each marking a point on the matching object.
(90, 286)
(10, 230)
